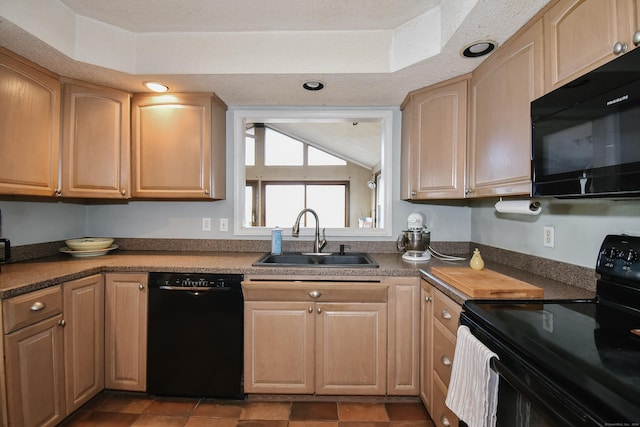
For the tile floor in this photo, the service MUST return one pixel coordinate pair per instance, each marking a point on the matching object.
(125, 409)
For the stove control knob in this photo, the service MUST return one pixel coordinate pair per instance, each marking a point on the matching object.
(632, 255)
(609, 252)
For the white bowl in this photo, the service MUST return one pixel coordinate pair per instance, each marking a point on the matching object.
(89, 243)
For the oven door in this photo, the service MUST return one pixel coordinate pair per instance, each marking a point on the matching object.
(527, 397)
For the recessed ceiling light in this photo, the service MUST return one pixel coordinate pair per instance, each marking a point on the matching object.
(156, 87)
(313, 85)
(478, 48)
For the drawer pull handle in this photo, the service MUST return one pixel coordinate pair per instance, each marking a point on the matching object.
(445, 361)
(445, 421)
(446, 314)
(37, 306)
(315, 294)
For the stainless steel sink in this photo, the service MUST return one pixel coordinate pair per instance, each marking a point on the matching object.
(297, 259)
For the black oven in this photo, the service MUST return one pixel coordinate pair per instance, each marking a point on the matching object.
(569, 363)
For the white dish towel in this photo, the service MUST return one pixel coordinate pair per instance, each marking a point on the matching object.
(473, 388)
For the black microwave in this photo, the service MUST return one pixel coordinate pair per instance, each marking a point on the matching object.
(586, 134)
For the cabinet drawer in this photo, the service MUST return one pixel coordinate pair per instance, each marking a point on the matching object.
(444, 345)
(446, 311)
(27, 309)
(442, 415)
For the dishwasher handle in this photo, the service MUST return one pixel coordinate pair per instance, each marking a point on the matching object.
(194, 288)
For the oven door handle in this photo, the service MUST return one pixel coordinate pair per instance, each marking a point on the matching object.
(193, 288)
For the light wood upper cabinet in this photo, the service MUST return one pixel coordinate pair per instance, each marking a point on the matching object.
(178, 146)
(434, 140)
(83, 340)
(95, 141)
(126, 306)
(29, 127)
(581, 35)
(502, 89)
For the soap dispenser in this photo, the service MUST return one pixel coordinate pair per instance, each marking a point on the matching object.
(476, 263)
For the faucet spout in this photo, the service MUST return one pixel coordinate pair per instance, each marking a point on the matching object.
(318, 243)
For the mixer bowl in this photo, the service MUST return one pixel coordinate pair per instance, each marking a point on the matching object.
(414, 241)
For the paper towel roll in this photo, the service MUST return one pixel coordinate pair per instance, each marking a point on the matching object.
(522, 207)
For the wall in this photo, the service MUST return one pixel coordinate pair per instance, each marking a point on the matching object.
(579, 225)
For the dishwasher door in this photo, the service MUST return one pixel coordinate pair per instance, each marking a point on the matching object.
(195, 335)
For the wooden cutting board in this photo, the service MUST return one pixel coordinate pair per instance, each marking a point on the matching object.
(486, 283)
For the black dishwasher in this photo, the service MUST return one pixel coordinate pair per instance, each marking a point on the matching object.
(195, 335)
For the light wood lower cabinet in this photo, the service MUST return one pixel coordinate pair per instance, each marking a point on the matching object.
(403, 372)
(304, 337)
(126, 305)
(323, 348)
(440, 316)
(34, 358)
(83, 340)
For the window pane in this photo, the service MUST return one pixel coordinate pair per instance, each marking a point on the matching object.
(329, 203)
(321, 158)
(282, 204)
(280, 150)
(248, 207)
(250, 152)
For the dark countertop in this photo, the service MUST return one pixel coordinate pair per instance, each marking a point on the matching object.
(22, 277)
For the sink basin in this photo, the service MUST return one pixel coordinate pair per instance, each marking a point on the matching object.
(296, 259)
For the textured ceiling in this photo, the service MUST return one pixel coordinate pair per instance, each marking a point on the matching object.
(258, 52)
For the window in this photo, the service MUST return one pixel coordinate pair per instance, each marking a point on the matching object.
(317, 157)
(283, 201)
(282, 150)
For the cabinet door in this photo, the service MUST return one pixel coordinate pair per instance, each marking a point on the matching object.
(351, 348)
(278, 347)
(35, 374)
(126, 331)
(173, 156)
(580, 35)
(83, 340)
(29, 127)
(95, 142)
(426, 346)
(435, 147)
(502, 89)
(404, 336)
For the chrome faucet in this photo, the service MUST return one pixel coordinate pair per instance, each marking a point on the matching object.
(317, 243)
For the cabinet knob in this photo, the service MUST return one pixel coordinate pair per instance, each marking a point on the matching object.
(206, 191)
(619, 48)
(446, 314)
(413, 193)
(57, 193)
(37, 306)
(636, 38)
(445, 361)
(310, 309)
(62, 323)
(123, 192)
(141, 287)
(315, 294)
(428, 299)
(445, 421)
(319, 310)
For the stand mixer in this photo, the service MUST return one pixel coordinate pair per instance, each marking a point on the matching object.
(414, 241)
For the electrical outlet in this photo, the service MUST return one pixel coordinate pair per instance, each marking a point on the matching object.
(224, 224)
(549, 236)
(206, 224)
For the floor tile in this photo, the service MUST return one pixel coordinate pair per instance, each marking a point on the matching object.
(177, 407)
(349, 411)
(262, 423)
(363, 424)
(211, 422)
(412, 423)
(312, 411)
(406, 411)
(125, 403)
(265, 411)
(313, 423)
(218, 410)
(159, 421)
(101, 419)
